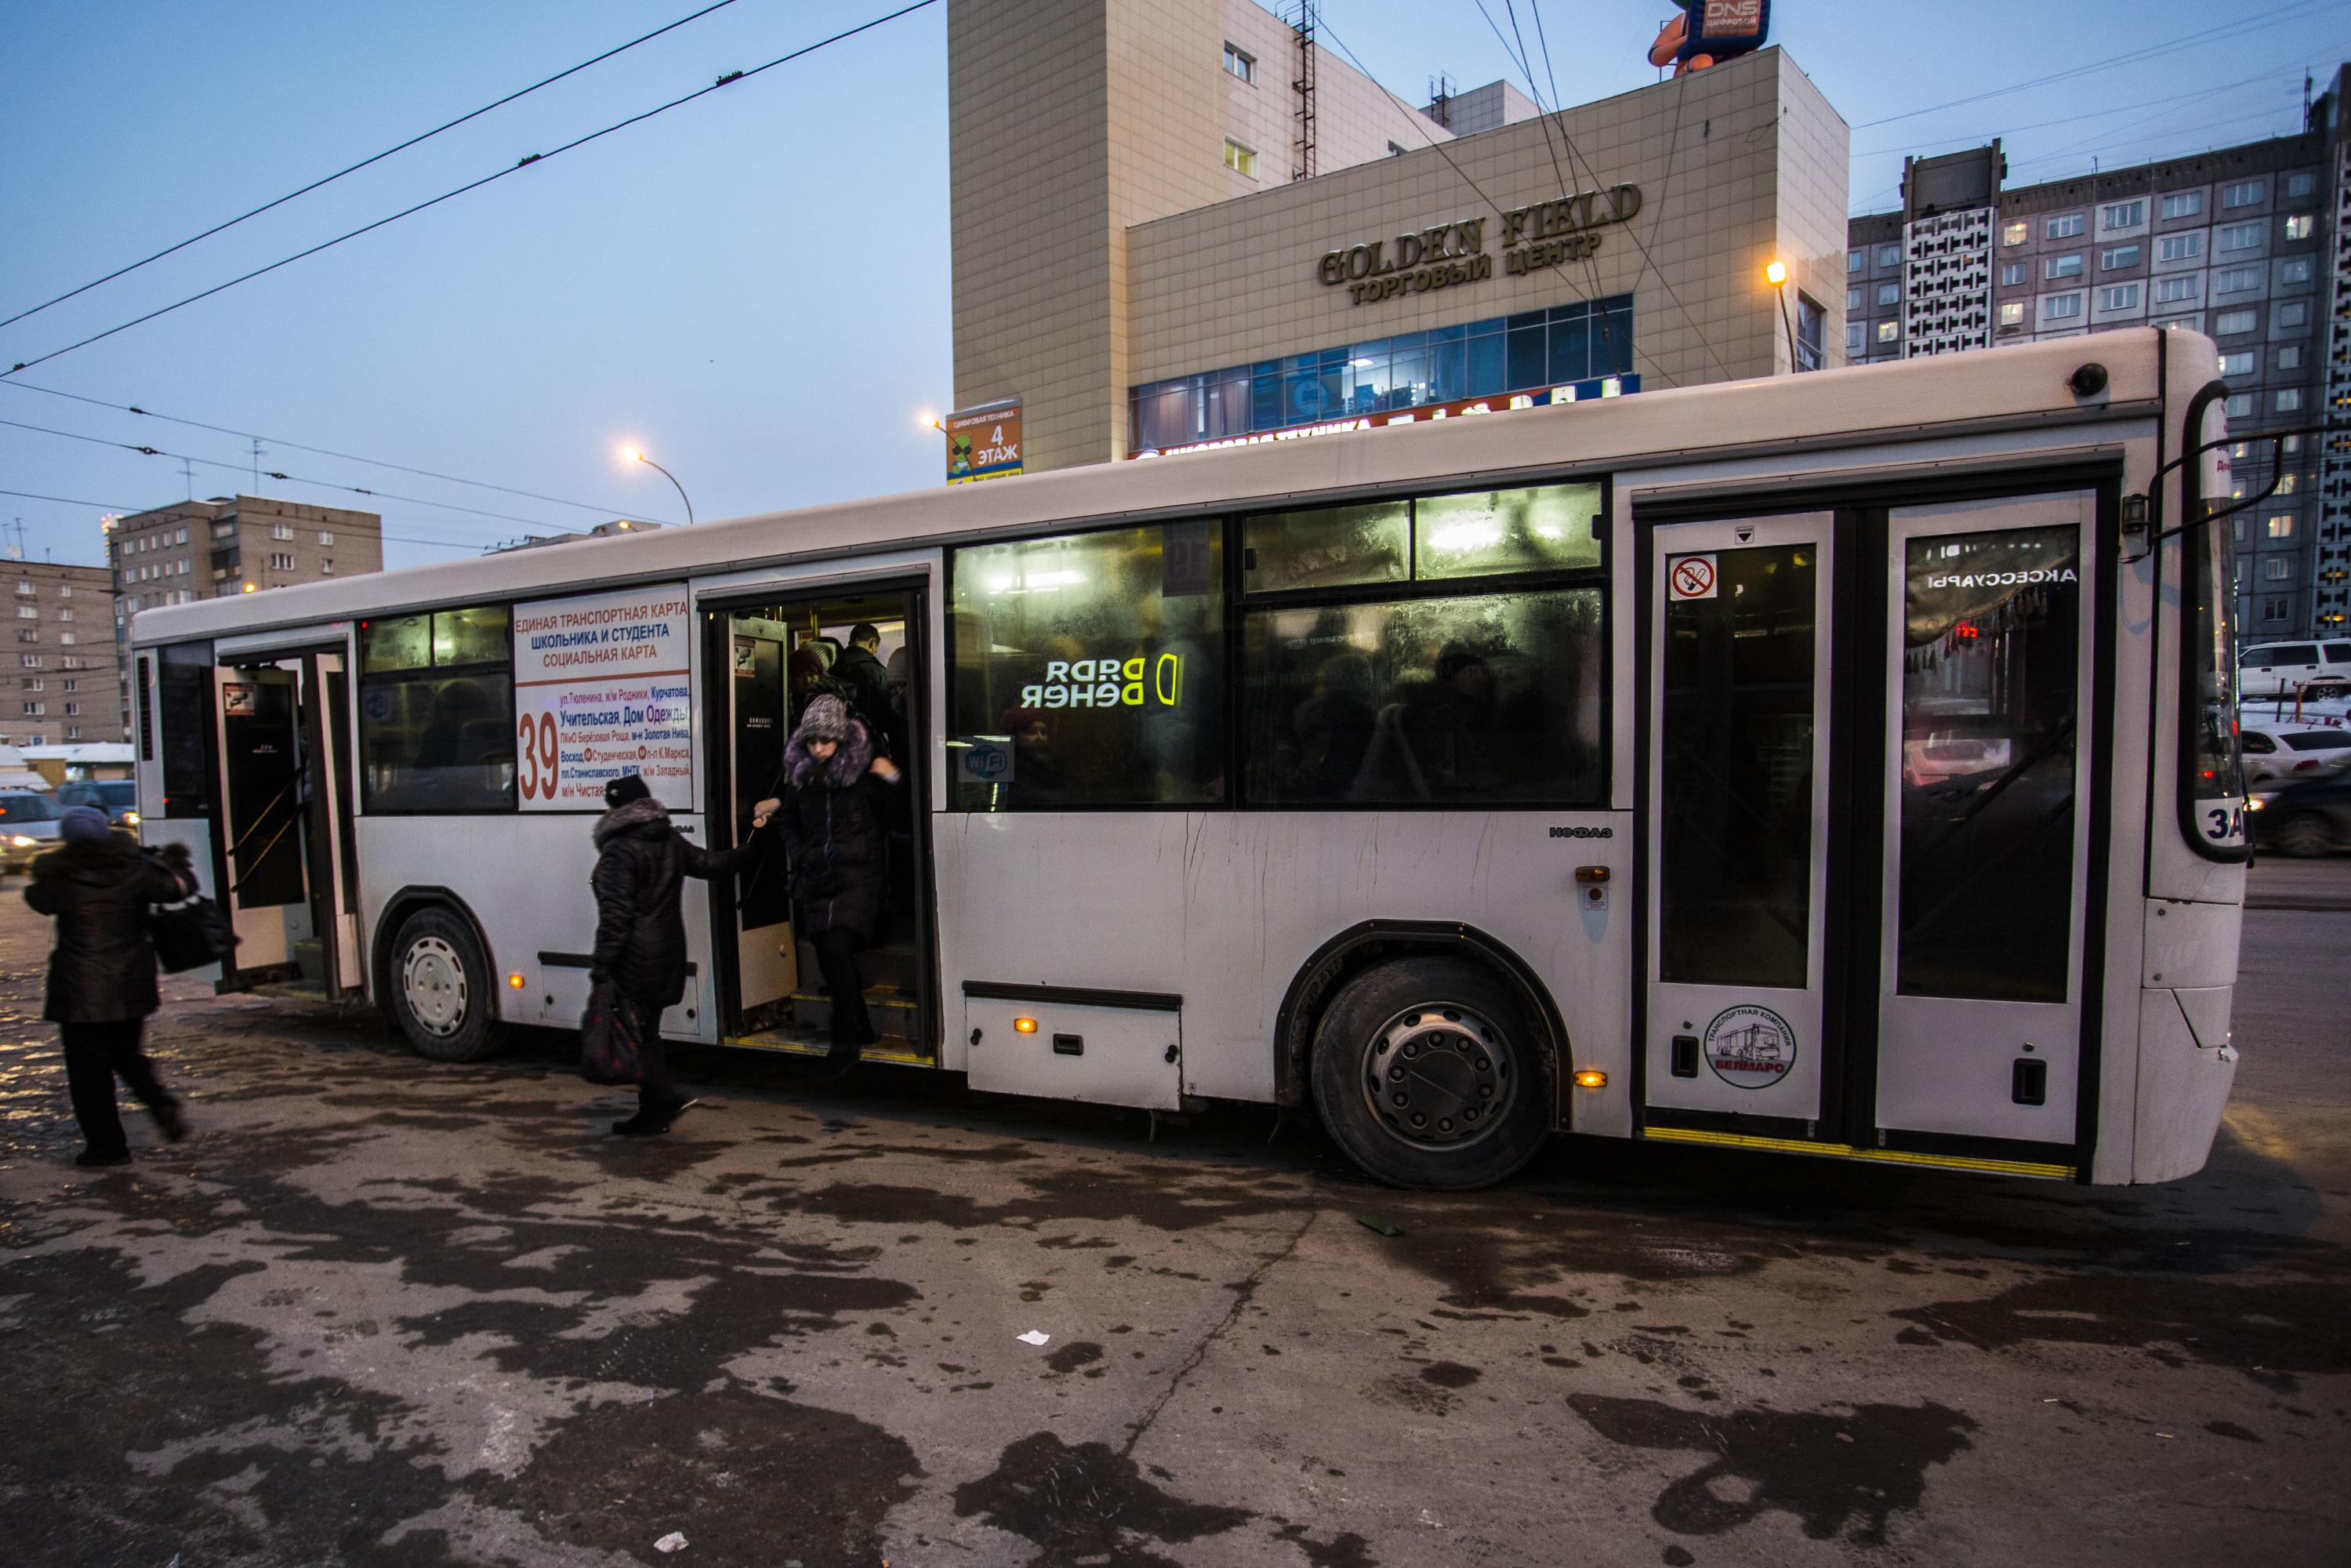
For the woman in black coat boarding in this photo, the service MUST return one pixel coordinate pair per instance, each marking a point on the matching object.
(100, 887)
(839, 793)
(641, 865)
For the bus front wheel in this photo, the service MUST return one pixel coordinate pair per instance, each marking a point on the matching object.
(442, 994)
(1426, 1074)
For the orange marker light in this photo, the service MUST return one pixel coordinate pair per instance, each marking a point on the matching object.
(1592, 1077)
(1024, 1026)
(514, 979)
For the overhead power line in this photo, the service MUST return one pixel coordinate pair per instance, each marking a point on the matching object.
(320, 451)
(128, 509)
(730, 79)
(2131, 57)
(377, 157)
(272, 473)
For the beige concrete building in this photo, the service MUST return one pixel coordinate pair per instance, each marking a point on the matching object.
(227, 544)
(1163, 235)
(68, 690)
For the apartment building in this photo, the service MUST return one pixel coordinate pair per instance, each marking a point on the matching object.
(68, 685)
(229, 544)
(2243, 244)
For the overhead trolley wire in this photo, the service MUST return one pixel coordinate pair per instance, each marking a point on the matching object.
(320, 451)
(272, 473)
(195, 517)
(730, 79)
(377, 157)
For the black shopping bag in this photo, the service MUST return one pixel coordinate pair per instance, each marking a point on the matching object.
(190, 934)
(609, 1048)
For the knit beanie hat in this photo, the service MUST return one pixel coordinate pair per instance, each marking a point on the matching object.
(826, 719)
(628, 787)
(83, 825)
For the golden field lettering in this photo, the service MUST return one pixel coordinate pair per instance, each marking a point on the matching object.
(1135, 681)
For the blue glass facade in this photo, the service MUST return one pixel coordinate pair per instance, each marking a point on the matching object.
(1534, 349)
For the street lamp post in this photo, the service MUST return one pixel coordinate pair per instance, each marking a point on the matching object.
(1776, 275)
(634, 456)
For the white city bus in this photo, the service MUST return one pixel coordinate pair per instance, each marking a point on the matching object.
(1839, 764)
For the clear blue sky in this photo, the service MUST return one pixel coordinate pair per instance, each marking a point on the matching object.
(756, 286)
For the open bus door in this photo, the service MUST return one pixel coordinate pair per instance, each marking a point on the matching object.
(285, 862)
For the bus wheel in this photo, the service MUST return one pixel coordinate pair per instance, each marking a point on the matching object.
(1425, 1073)
(2304, 833)
(442, 995)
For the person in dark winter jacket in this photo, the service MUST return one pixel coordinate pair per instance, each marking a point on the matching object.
(863, 679)
(100, 886)
(641, 864)
(834, 820)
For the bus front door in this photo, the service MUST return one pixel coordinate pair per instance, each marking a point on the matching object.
(261, 875)
(1865, 866)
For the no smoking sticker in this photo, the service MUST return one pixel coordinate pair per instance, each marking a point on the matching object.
(1690, 577)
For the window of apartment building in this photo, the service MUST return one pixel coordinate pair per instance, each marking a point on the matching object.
(1240, 160)
(2299, 227)
(69, 685)
(2119, 297)
(2243, 193)
(1889, 294)
(2300, 184)
(2293, 315)
(2294, 269)
(73, 710)
(69, 663)
(2274, 609)
(180, 538)
(2012, 314)
(2012, 273)
(2062, 308)
(1853, 336)
(1852, 301)
(1854, 260)
(2236, 280)
(32, 683)
(2288, 399)
(25, 591)
(327, 568)
(281, 530)
(2123, 214)
(68, 638)
(2280, 525)
(2185, 205)
(2290, 357)
(1812, 333)
(2179, 247)
(2277, 567)
(278, 561)
(65, 591)
(2014, 234)
(34, 710)
(2238, 405)
(26, 612)
(326, 538)
(2064, 227)
(2240, 236)
(1889, 255)
(2237, 364)
(2119, 255)
(2062, 267)
(1240, 63)
(2229, 323)
(223, 531)
(1888, 330)
(73, 732)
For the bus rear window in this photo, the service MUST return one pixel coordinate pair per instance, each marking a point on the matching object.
(1089, 669)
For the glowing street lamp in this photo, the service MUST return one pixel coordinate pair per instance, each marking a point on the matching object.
(1775, 273)
(633, 454)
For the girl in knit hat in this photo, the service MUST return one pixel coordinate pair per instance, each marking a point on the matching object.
(832, 815)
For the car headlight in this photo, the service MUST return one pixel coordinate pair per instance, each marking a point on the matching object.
(2256, 803)
(19, 840)
(130, 818)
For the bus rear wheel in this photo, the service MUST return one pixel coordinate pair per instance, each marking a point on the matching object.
(1427, 1073)
(442, 994)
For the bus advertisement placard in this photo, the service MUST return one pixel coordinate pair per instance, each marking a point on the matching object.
(600, 690)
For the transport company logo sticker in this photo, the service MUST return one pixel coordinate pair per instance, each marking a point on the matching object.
(1749, 1047)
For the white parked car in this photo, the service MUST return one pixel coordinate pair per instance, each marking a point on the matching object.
(2281, 751)
(2277, 669)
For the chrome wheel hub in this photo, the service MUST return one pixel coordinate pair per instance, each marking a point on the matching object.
(1439, 1076)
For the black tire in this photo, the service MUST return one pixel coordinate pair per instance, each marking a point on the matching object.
(1408, 1128)
(442, 994)
(2305, 834)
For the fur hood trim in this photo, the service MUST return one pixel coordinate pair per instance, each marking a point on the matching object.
(636, 814)
(847, 766)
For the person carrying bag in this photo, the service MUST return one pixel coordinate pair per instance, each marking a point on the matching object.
(100, 887)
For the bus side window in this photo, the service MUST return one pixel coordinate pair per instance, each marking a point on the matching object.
(182, 696)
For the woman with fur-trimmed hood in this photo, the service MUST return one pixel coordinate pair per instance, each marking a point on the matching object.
(835, 822)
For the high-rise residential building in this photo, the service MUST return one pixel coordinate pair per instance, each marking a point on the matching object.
(1189, 223)
(68, 687)
(209, 550)
(2247, 244)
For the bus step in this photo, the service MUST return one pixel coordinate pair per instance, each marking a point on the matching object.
(892, 966)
